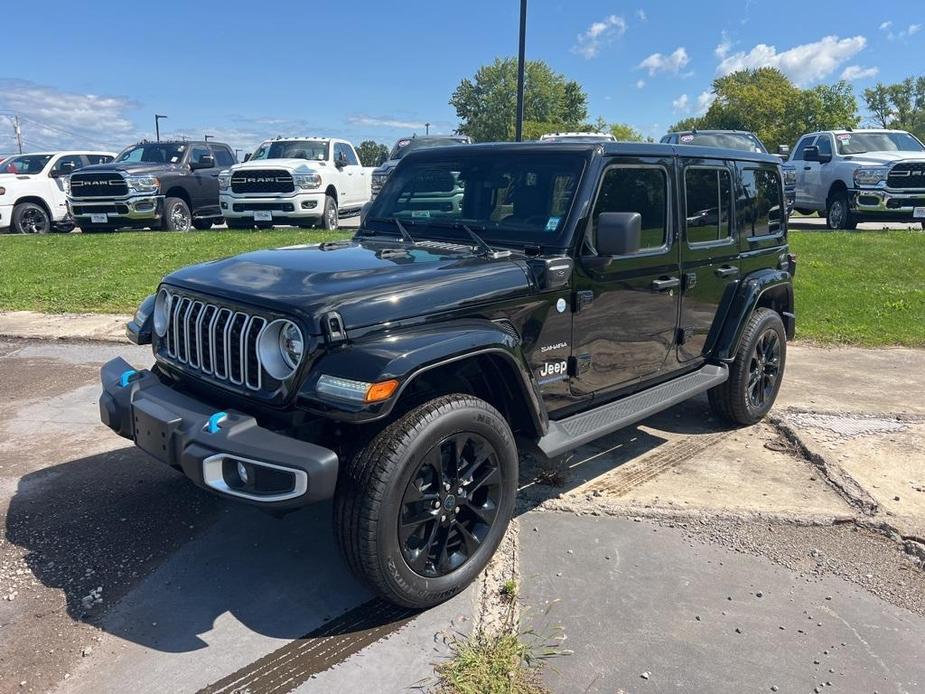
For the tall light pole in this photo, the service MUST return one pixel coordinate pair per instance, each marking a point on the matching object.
(427, 128)
(157, 125)
(205, 138)
(17, 130)
(519, 125)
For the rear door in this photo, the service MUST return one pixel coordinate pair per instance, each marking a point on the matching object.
(709, 250)
(627, 306)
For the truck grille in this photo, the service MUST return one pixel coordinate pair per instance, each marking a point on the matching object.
(98, 185)
(262, 181)
(215, 340)
(907, 175)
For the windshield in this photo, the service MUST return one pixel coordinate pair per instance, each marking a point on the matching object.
(602, 137)
(745, 142)
(505, 198)
(858, 143)
(27, 164)
(154, 153)
(409, 144)
(313, 150)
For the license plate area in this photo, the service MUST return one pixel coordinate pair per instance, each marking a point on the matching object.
(263, 216)
(99, 218)
(918, 212)
(153, 428)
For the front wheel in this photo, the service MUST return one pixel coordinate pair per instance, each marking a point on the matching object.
(838, 212)
(421, 509)
(30, 218)
(177, 216)
(755, 375)
(330, 218)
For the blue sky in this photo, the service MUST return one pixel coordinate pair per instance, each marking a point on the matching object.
(94, 73)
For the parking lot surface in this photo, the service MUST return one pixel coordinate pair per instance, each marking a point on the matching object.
(116, 574)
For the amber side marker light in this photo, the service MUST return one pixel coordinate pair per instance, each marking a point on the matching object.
(381, 391)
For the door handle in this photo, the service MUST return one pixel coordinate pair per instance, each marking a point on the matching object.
(661, 285)
(727, 271)
(807, 168)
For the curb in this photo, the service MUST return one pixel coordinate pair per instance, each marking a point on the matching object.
(83, 327)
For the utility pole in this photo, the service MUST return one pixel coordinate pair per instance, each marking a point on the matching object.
(205, 138)
(427, 128)
(17, 129)
(157, 125)
(519, 126)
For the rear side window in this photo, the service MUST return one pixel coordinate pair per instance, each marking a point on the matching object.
(708, 192)
(760, 203)
(636, 189)
(222, 156)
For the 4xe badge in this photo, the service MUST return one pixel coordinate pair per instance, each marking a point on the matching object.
(553, 371)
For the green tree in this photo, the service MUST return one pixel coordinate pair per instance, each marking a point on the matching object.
(372, 153)
(625, 132)
(900, 106)
(767, 103)
(486, 103)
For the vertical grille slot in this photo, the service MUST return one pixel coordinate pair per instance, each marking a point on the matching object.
(236, 329)
(218, 336)
(252, 375)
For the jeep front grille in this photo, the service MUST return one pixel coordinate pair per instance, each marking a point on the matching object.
(215, 340)
(262, 181)
(94, 184)
(907, 175)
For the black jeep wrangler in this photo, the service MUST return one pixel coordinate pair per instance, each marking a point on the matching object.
(570, 290)
(159, 185)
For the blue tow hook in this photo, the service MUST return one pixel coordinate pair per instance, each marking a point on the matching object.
(215, 422)
(127, 377)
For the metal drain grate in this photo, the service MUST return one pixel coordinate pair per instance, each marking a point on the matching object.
(847, 426)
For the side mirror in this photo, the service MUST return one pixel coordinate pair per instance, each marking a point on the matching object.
(618, 233)
(247, 157)
(205, 162)
(823, 157)
(65, 168)
(783, 150)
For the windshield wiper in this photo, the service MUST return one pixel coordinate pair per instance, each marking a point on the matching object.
(405, 235)
(479, 241)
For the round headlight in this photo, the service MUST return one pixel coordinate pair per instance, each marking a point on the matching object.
(162, 312)
(280, 348)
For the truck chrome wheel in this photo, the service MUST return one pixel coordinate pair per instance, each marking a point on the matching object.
(180, 219)
(764, 368)
(449, 505)
(837, 214)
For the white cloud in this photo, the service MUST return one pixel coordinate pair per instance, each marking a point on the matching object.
(856, 72)
(681, 104)
(385, 122)
(910, 30)
(640, 84)
(589, 42)
(657, 62)
(913, 29)
(723, 47)
(704, 100)
(641, 15)
(884, 26)
(804, 64)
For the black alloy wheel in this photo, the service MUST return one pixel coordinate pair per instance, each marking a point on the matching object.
(764, 369)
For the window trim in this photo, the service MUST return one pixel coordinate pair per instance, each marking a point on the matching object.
(748, 166)
(727, 240)
(669, 200)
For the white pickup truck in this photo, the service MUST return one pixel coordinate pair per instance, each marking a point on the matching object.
(300, 181)
(33, 189)
(852, 176)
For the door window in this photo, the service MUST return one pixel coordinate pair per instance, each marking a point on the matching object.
(198, 153)
(74, 159)
(708, 192)
(99, 158)
(222, 156)
(636, 189)
(760, 203)
(341, 149)
(801, 147)
(824, 143)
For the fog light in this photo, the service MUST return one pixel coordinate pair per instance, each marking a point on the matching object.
(309, 204)
(243, 474)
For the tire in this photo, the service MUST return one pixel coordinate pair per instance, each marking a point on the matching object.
(838, 213)
(177, 216)
(30, 218)
(762, 354)
(422, 564)
(329, 220)
(202, 224)
(805, 213)
(239, 224)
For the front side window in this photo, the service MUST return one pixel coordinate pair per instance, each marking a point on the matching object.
(760, 204)
(198, 153)
(154, 153)
(801, 147)
(26, 164)
(708, 192)
(99, 158)
(222, 156)
(343, 150)
(636, 189)
(313, 150)
(72, 159)
(824, 143)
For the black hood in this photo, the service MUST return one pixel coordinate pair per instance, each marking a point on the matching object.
(367, 281)
(131, 167)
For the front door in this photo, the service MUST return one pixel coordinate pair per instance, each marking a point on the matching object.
(204, 188)
(350, 174)
(627, 306)
(709, 251)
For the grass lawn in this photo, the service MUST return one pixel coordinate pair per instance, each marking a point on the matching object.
(860, 287)
(112, 273)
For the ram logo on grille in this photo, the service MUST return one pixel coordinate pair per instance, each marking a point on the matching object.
(215, 340)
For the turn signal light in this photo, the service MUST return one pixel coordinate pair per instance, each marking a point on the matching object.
(381, 391)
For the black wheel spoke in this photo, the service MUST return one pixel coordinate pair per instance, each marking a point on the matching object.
(488, 476)
(470, 541)
(485, 514)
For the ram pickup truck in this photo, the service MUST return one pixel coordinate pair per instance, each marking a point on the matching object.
(852, 176)
(33, 189)
(169, 185)
(410, 144)
(302, 181)
(400, 372)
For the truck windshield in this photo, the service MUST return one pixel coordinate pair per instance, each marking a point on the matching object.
(745, 142)
(410, 144)
(859, 143)
(506, 198)
(28, 164)
(314, 150)
(155, 153)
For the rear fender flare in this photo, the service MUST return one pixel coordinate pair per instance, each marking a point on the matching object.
(746, 299)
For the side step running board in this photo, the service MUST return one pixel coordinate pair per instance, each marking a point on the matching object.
(568, 434)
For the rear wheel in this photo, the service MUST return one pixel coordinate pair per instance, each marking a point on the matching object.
(30, 218)
(330, 218)
(755, 375)
(177, 216)
(838, 212)
(422, 508)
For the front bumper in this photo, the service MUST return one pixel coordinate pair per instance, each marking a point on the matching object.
(299, 206)
(131, 211)
(6, 216)
(876, 203)
(284, 472)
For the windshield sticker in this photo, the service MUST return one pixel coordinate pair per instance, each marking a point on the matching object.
(687, 138)
(843, 138)
(404, 143)
(553, 223)
(173, 160)
(420, 214)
